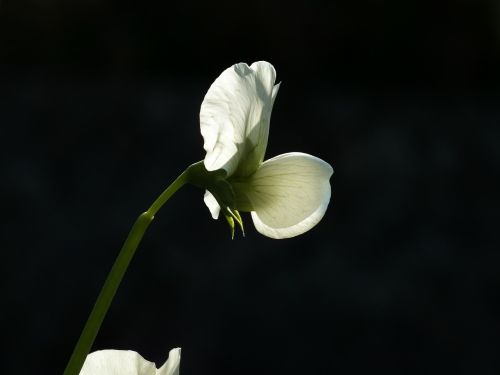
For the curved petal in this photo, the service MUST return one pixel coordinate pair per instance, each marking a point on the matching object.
(212, 204)
(127, 362)
(289, 194)
(171, 367)
(234, 118)
(117, 362)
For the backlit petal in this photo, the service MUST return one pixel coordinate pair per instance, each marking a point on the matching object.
(289, 194)
(127, 362)
(234, 117)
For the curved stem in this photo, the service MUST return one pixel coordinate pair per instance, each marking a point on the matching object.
(115, 276)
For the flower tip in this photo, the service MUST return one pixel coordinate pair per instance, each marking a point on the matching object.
(176, 351)
(171, 366)
(230, 221)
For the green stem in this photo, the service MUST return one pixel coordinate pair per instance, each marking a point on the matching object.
(115, 276)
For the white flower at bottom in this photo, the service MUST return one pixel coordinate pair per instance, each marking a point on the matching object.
(127, 362)
(286, 195)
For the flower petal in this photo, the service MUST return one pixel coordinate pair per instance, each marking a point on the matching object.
(171, 367)
(289, 194)
(212, 204)
(119, 362)
(127, 362)
(234, 118)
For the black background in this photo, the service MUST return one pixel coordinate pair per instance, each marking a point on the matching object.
(99, 106)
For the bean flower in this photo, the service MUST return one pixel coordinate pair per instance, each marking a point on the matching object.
(287, 195)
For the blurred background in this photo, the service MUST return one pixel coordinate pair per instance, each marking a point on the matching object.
(99, 105)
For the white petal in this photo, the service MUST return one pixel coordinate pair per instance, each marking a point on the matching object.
(234, 117)
(171, 367)
(212, 204)
(117, 362)
(275, 92)
(127, 362)
(289, 194)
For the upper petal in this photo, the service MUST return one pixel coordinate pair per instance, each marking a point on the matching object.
(234, 117)
(289, 194)
(127, 362)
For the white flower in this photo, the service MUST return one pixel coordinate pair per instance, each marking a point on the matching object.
(286, 195)
(126, 362)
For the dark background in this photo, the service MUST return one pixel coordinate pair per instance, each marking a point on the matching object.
(99, 106)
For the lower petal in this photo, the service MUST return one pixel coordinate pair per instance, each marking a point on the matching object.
(212, 204)
(289, 194)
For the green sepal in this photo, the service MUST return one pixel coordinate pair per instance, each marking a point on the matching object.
(232, 216)
(230, 221)
(239, 220)
(222, 190)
